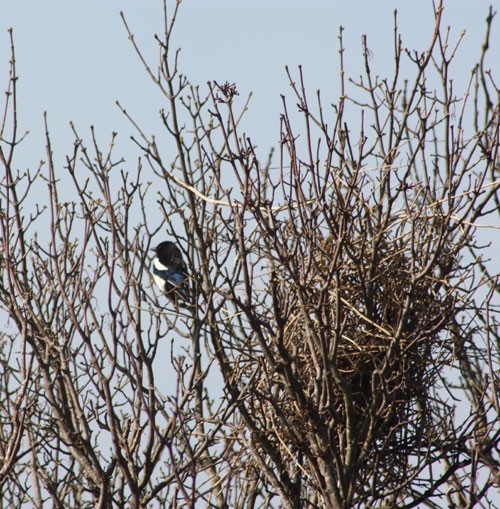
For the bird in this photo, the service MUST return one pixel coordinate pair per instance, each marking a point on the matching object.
(170, 273)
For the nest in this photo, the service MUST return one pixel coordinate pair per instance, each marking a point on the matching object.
(363, 340)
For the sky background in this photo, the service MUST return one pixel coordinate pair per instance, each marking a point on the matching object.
(74, 59)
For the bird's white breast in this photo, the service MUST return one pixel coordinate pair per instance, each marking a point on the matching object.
(160, 282)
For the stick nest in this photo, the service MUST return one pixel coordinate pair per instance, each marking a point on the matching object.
(362, 343)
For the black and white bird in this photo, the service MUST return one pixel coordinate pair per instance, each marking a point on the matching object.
(170, 273)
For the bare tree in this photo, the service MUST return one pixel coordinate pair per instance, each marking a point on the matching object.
(341, 348)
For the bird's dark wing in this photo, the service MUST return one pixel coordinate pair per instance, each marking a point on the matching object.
(175, 283)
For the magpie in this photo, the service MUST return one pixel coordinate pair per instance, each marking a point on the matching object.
(170, 273)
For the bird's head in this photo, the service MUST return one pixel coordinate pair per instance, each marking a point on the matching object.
(168, 253)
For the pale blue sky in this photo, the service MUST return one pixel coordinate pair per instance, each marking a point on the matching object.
(74, 59)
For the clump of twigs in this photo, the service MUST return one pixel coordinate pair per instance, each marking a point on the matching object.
(364, 339)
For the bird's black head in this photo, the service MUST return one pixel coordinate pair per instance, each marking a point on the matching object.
(169, 254)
